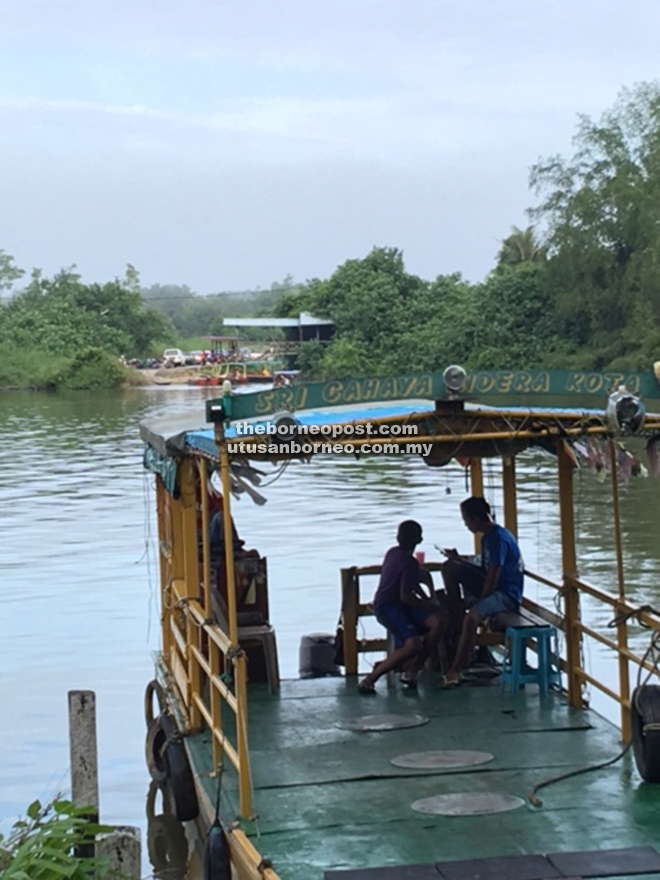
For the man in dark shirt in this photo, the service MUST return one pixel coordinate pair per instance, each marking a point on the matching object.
(415, 621)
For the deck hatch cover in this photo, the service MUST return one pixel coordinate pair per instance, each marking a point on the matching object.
(446, 759)
(382, 722)
(468, 803)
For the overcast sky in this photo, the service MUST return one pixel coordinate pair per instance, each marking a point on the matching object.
(224, 144)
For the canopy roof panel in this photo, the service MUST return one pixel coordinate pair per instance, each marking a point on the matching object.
(446, 430)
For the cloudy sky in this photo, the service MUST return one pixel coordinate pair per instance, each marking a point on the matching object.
(224, 144)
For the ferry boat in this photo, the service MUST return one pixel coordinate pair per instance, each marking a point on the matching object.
(309, 779)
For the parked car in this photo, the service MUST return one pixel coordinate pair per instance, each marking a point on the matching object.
(174, 357)
(195, 357)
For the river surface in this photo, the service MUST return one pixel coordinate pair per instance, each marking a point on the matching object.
(79, 578)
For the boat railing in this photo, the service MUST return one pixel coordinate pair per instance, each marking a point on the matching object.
(624, 612)
(208, 669)
(567, 621)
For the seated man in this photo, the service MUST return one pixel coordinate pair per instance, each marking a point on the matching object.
(217, 538)
(402, 607)
(494, 587)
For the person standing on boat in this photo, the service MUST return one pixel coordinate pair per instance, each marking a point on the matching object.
(495, 587)
(416, 621)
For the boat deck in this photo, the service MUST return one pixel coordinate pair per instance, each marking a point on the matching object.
(328, 798)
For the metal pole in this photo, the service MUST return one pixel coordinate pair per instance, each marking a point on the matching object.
(239, 660)
(509, 489)
(350, 598)
(187, 483)
(206, 550)
(622, 628)
(84, 759)
(477, 486)
(121, 849)
(228, 535)
(569, 571)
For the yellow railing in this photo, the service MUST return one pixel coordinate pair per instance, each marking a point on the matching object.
(207, 667)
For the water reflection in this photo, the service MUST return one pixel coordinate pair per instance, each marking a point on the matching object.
(79, 574)
(167, 841)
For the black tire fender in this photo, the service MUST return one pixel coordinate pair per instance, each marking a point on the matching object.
(180, 781)
(153, 688)
(645, 728)
(168, 765)
(154, 750)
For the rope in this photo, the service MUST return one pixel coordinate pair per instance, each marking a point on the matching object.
(636, 614)
(174, 738)
(537, 802)
(217, 797)
(653, 651)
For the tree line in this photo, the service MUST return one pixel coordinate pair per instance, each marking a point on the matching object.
(577, 288)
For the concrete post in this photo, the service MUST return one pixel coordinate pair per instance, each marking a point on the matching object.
(84, 762)
(121, 849)
(82, 741)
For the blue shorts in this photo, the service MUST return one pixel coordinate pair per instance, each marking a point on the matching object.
(403, 621)
(494, 604)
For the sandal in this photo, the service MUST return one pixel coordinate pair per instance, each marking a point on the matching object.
(408, 680)
(366, 687)
(449, 683)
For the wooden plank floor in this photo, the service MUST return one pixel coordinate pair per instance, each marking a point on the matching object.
(329, 798)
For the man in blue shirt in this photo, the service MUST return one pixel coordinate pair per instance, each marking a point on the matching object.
(401, 606)
(495, 587)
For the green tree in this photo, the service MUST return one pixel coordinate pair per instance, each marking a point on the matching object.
(9, 272)
(521, 246)
(517, 326)
(601, 208)
(62, 316)
(370, 301)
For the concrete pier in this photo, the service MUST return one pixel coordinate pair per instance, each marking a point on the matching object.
(121, 848)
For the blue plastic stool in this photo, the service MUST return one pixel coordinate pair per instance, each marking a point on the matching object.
(516, 672)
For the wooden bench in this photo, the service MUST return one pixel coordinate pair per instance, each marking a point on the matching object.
(493, 634)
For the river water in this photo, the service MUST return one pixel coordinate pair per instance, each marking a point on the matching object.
(79, 578)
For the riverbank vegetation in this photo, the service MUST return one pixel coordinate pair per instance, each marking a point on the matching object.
(60, 333)
(42, 845)
(577, 288)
